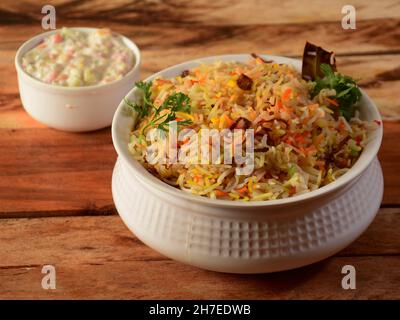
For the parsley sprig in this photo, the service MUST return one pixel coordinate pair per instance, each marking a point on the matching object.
(347, 91)
(176, 102)
(144, 108)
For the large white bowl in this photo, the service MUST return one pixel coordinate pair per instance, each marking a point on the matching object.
(73, 108)
(231, 236)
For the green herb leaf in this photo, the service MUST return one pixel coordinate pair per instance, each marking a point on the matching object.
(176, 102)
(184, 123)
(292, 170)
(347, 91)
(144, 108)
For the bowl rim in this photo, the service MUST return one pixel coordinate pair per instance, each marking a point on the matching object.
(144, 176)
(32, 42)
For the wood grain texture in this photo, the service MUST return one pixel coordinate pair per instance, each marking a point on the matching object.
(53, 172)
(172, 280)
(197, 12)
(97, 257)
(373, 36)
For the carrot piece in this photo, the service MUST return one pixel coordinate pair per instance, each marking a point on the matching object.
(228, 120)
(286, 94)
(292, 190)
(313, 106)
(57, 38)
(160, 82)
(321, 164)
(333, 102)
(299, 137)
(220, 193)
(310, 149)
(197, 178)
(288, 140)
(252, 115)
(319, 139)
(242, 190)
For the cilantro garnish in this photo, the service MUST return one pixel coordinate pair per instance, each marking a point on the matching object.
(347, 91)
(176, 102)
(144, 108)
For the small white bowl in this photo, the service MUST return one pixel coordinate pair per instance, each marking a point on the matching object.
(245, 237)
(76, 109)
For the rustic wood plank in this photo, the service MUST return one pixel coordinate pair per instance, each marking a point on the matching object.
(172, 280)
(374, 35)
(198, 12)
(103, 239)
(44, 171)
(97, 257)
(389, 156)
(380, 77)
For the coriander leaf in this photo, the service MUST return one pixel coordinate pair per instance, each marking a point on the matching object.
(347, 91)
(144, 108)
(146, 88)
(327, 70)
(175, 102)
(292, 170)
(136, 107)
(185, 122)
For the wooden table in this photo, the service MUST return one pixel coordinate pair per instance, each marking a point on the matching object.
(55, 197)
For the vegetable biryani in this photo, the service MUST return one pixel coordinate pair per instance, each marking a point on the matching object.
(307, 133)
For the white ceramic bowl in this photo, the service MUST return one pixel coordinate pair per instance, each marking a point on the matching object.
(73, 108)
(231, 236)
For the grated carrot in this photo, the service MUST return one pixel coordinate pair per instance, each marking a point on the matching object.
(286, 94)
(185, 141)
(228, 120)
(242, 190)
(57, 38)
(220, 193)
(197, 178)
(292, 190)
(332, 101)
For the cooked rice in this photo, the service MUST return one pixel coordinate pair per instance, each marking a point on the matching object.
(307, 145)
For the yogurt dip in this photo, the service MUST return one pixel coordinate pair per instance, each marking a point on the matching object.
(74, 58)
